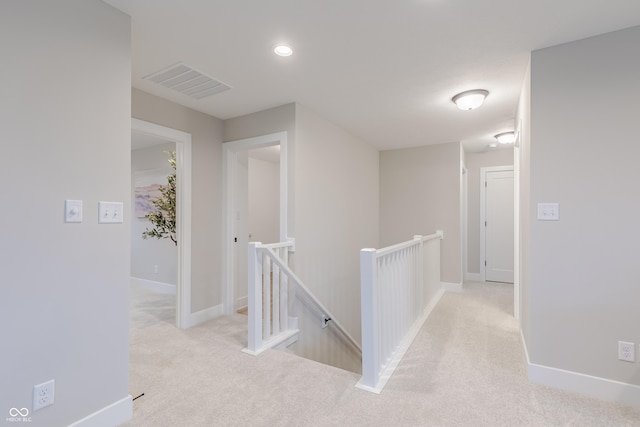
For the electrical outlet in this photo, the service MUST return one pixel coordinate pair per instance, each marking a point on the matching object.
(627, 351)
(43, 394)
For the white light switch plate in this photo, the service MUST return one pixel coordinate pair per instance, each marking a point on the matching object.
(73, 211)
(111, 213)
(549, 211)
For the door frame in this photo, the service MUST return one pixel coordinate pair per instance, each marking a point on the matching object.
(483, 214)
(183, 212)
(230, 152)
(464, 219)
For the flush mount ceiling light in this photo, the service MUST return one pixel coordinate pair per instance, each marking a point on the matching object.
(283, 50)
(471, 99)
(506, 137)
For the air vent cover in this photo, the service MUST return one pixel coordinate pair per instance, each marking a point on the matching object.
(186, 80)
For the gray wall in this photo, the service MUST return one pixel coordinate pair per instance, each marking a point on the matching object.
(151, 252)
(277, 119)
(522, 183)
(330, 170)
(583, 290)
(419, 194)
(264, 199)
(336, 192)
(206, 175)
(64, 311)
(474, 162)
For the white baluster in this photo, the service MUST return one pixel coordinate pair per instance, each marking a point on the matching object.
(254, 297)
(266, 296)
(276, 300)
(284, 293)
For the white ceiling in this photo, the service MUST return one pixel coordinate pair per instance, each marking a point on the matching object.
(385, 70)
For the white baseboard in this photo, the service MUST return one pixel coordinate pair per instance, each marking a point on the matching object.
(165, 288)
(109, 416)
(204, 315)
(601, 388)
(473, 277)
(242, 302)
(403, 347)
(452, 287)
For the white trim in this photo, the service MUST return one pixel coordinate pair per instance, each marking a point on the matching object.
(483, 214)
(204, 315)
(229, 165)
(183, 211)
(601, 388)
(464, 219)
(165, 288)
(516, 224)
(109, 416)
(452, 287)
(242, 302)
(284, 338)
(473, 277)
(403, 347)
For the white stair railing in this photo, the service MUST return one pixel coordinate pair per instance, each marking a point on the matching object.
(268, 299)
(394, 303)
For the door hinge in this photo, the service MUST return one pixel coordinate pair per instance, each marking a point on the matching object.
(485, 184)
(235, 240)
(485, 223)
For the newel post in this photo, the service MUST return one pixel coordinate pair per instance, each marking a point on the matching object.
(255, 297)
(370, 325)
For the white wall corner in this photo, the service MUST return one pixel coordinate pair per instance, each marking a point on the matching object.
(452, 287)
(472, 277)
(165, 288)
(601, 388)
(242, 302)
(112, 415)
(204, 315)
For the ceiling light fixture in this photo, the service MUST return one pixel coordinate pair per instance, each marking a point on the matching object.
(283, 50)
(471, 99)
(506, 137)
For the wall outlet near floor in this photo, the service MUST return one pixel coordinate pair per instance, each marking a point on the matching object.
(627, 351)
(43, 394)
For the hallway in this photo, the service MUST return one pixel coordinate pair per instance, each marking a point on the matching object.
(466, 367)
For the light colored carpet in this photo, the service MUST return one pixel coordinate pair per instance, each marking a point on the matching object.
(465, 368)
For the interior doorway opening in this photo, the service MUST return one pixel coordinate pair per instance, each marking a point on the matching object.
(152, 134)
(236, 155)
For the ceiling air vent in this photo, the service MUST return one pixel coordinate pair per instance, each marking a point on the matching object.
(187, 81)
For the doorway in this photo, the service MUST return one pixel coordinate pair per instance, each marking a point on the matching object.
(235, 155)
(497, 224)
(182, 143)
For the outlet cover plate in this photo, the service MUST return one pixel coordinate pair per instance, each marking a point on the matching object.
(627, 351)
(43, 394)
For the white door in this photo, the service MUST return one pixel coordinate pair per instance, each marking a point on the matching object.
(499, 226)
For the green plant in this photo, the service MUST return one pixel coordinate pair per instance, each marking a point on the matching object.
(163, 219)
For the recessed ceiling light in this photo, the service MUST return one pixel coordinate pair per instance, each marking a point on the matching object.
(506, 137)
(471, 99)
(283, 50)
(493, 145)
